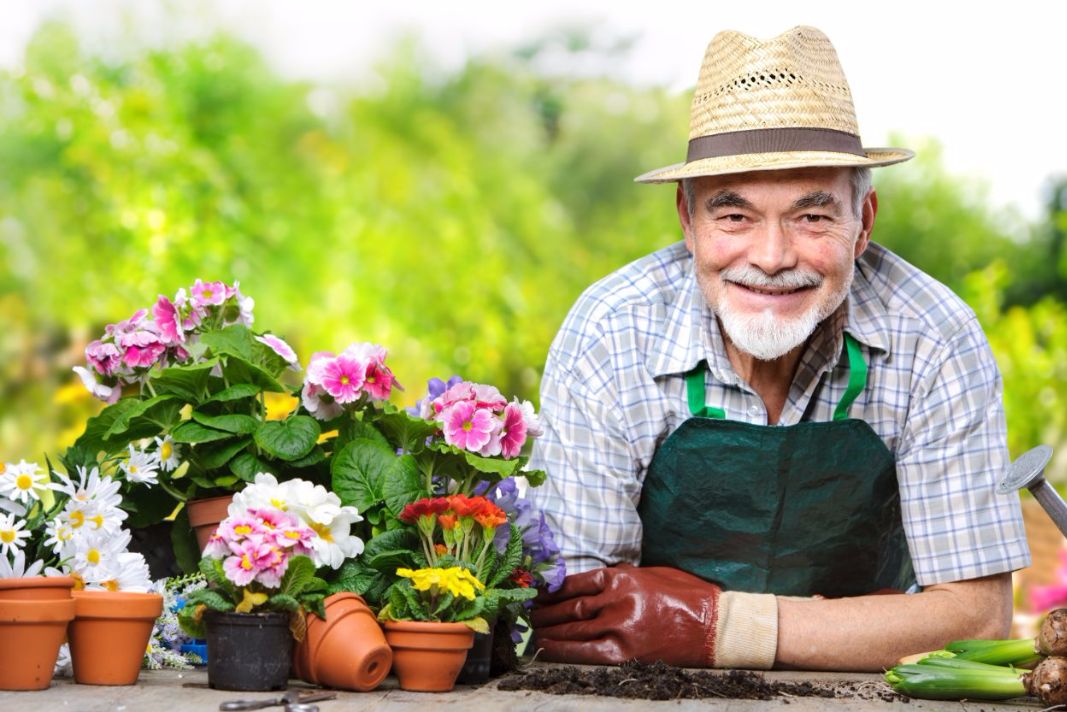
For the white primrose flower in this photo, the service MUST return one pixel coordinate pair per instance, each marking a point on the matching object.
(16, 567)
(264, 491)
(167, 452)
(13, 534)
(333, 541)
(141, 467)
(24, 482)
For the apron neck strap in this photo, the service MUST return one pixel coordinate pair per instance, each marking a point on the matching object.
(857, 377)
(857, 381)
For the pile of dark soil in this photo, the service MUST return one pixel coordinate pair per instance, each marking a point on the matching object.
(659, 681)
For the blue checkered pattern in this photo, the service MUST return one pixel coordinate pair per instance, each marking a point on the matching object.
(614, 389)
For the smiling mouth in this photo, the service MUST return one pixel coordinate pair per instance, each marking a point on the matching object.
(770, 292)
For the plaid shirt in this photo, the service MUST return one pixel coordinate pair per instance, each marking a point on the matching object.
(614, 389)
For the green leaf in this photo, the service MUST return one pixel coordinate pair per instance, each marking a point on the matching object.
(186, 382)
(247, 465)
(353, 430)
(469, 611)
(356, 577)
(403, 484)
(240, 424)
(314, 457)
(122, 422)
(359, 473)
(235, 392)
(405, 431)
(238, 370)
(146, 505)
(210, 598)
(224, 481)
(412, 601)
(283, 602)
(535, 478)
(492, 465)
(496, 598)
(393, 540)
(191, 431)
(95, 439)
(289, 439)
(299, 574)
(389, 561)
(510, 560)
(442, 604)
(234, 340)
(216, 454)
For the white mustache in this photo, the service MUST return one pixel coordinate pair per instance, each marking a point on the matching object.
(749, 276)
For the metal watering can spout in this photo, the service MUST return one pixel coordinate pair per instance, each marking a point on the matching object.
(1028, 471)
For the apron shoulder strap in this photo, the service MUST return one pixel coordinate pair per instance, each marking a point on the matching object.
(857, 377)
(694, 386)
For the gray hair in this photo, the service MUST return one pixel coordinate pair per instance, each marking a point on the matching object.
(860, 178)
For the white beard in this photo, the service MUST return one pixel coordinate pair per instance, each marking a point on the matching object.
(766, 335)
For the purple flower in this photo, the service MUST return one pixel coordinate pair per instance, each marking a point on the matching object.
(435, 388)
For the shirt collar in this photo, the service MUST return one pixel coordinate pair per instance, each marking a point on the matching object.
(691, 334)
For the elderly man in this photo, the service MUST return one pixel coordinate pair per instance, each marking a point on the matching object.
(752, 433)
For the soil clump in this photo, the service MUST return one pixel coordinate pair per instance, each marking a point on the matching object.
(659, 681)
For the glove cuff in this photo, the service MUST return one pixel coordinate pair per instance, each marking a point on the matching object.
(746, 631)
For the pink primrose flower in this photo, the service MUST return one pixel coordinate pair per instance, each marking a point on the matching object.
(100, 391)
(488, 397)
(492, 447)
(207, 294)
(281, 348)
(379, 380)
(277, 563)
(319, 403)
(513, 434)
(125, 327)
(317, 366)
(248, 562)
(366, 351)
(169, 321)
(104, 357)
(143, 356)
(467, 427)
(343, 378)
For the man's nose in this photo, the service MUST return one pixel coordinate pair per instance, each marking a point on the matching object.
(773, 249)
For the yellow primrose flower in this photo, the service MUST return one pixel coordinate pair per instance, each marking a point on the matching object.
(456, 580)
(250, 600)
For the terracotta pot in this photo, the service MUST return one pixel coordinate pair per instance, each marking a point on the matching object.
(205, 515)
(109, 635)
(347, 651)
(36, 588)
(427, 657)
(32, 632)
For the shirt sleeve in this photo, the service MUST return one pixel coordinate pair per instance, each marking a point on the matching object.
(952, 454)
(592, 487)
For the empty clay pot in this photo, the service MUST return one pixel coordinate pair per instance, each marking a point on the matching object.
(347, 651)
(32, 632)
(427, 656)
(36, 588)
(109, 635)
(205, 515)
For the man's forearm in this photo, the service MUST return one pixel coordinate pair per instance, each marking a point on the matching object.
(872, 632)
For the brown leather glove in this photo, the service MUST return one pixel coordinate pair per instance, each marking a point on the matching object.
(611, 615)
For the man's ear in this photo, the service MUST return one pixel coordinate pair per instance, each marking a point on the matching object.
(867, 214)
(683, 217)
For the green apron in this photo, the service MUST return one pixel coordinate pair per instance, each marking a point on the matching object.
(800, 510)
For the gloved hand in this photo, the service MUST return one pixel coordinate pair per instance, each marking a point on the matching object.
(611, 615)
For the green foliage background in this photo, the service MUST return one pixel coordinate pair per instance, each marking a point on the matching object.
(453, 218)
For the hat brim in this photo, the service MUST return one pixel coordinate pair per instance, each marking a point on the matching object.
(744, 163)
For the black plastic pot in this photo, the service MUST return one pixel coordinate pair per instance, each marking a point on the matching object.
(479, 658)
(248, 651)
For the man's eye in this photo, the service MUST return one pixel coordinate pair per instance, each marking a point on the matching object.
(813, 218)
(733, 217)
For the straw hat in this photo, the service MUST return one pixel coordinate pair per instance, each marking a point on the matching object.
(774, 104)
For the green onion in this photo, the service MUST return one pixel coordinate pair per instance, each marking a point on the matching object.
(1020, 652)
(950, 679)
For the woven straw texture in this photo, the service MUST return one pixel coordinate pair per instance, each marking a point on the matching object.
(791, 81)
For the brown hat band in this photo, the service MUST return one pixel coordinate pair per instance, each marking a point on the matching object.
(736, 143)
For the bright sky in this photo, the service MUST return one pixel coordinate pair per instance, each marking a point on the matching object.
(988, 83)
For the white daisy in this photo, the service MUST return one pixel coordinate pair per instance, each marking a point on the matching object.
(11, 507)
(92, 517)
(167, 452)
(58, 535)
(63, 668)
(90, 488)
(24, 482)
(13, 534)
(125, 572)
(95, 551)
(16, 568)
(141, 466)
